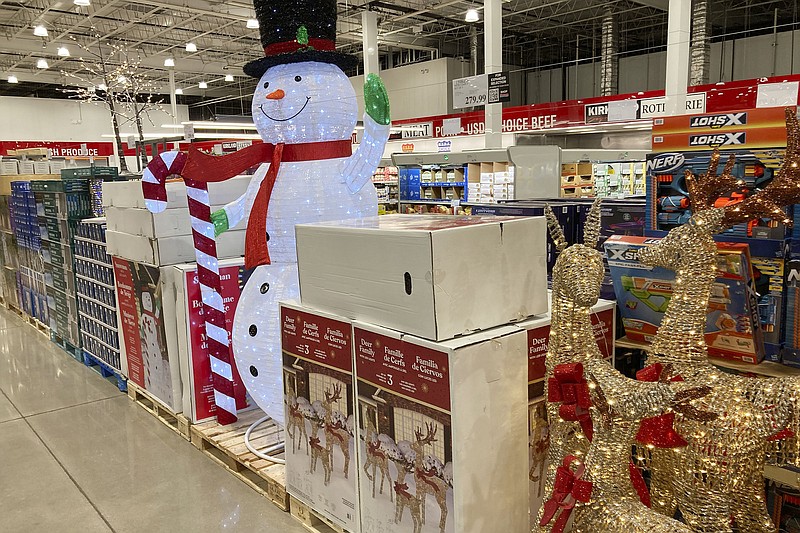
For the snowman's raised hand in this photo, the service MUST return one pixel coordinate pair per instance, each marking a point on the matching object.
(376, 100)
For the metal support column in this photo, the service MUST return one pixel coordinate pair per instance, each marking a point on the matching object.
(493, 62)
(700, 61)
(609, 53)
(369, 31)
(172, 97)
(679, 23)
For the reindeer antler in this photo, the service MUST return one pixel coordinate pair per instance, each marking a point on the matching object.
(591, 229)
(783, 190)
(706, 188)
(337, 394)
(556, 232)
(429, 437)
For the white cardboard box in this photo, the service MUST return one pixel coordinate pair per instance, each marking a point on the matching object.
(468, 396)
(538, 335)
(170, 250)
(57, 165)
(41, 167)
(26, 167)
(427, 275)
(9, 167)
(129, 193)
(168, 223)
(322, 470)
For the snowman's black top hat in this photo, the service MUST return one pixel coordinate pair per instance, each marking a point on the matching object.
(297, 31)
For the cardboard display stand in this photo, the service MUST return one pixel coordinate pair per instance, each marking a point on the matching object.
(442, 431)
(321, 466)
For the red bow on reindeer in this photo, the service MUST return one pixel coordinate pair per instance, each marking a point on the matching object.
(568, 386)
(568, 489)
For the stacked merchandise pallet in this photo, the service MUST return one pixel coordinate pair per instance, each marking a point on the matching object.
(97, 305)
(386, 183)
(8, 255)
(30, 279)
(577, 180)
(60, 205)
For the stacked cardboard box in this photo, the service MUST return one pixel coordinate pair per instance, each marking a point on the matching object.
(30, 279)
(401, 370)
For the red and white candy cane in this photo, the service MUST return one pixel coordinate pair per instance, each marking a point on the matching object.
(171, 164)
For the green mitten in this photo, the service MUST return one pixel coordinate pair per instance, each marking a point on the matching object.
(376, 101)
(220, 220)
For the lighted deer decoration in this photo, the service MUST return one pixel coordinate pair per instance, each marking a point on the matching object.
(296, 421)
(335, 431)
(594, 411)
(403, 497)
(720, 475)
(427, 481)
(320, 452)
(376, 458)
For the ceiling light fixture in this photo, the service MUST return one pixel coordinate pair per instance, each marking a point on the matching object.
(202, 85)
(472, 15)
(191, 47)
(82, 3)
(169, 62)
(12, 79)
(252, 24)
(178, 91)
(228, 77)
(102, 87)
(40, 31)
(42, 63)
(63, 51)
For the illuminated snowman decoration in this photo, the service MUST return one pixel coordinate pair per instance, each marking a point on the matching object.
(155, 375)
(312, 105)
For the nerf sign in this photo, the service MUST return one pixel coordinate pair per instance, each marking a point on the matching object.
(719, 121)
(665, 163)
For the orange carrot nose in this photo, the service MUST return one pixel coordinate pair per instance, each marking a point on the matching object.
(276, 95)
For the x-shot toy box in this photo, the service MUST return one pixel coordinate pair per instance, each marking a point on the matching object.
(733, 329)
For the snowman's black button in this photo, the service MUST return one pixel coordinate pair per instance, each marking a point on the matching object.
(253, 371)
(264, 288)
(267, 236)
(253, 330)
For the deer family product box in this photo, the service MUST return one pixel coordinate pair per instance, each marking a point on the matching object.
(321, 466)
(538, 334)
(430, 276)
(443, 440)
(733, 325)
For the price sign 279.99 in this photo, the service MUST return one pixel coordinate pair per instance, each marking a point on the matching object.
(472, 91)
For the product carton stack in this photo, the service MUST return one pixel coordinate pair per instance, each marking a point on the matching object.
(161, 326)
(30, 282)
(402, 371)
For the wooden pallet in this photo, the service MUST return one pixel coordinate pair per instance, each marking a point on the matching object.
(14, 309)
(175, 421)
(105, 370)
(312, 520)
(37, 324)
(225, 445)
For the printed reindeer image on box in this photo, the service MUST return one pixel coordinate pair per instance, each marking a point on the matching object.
(409, 456)
(318, 387)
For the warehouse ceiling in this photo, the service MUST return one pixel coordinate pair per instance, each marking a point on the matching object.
(537, 34)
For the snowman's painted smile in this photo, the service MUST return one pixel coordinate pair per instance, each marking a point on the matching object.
(261, 107)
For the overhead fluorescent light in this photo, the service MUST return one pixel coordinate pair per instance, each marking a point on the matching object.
(12, 79)
(211, 125)
(102, 87)
(122, 79)
(472, 15)
(82, 3)
(178, 91)
(63, 51)
(228, 77)
(252, 24)
(191, 47)
(169, 62)
(227, 136)
(40, 31)
(42, 63)
(202, 85)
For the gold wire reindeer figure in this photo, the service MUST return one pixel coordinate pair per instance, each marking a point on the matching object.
(376, 458)
(598, 431)
(539, 444)
(428, 481)
(404, 498)
(296, 421)
(335, 432)
(320, 452)
(719, 476)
